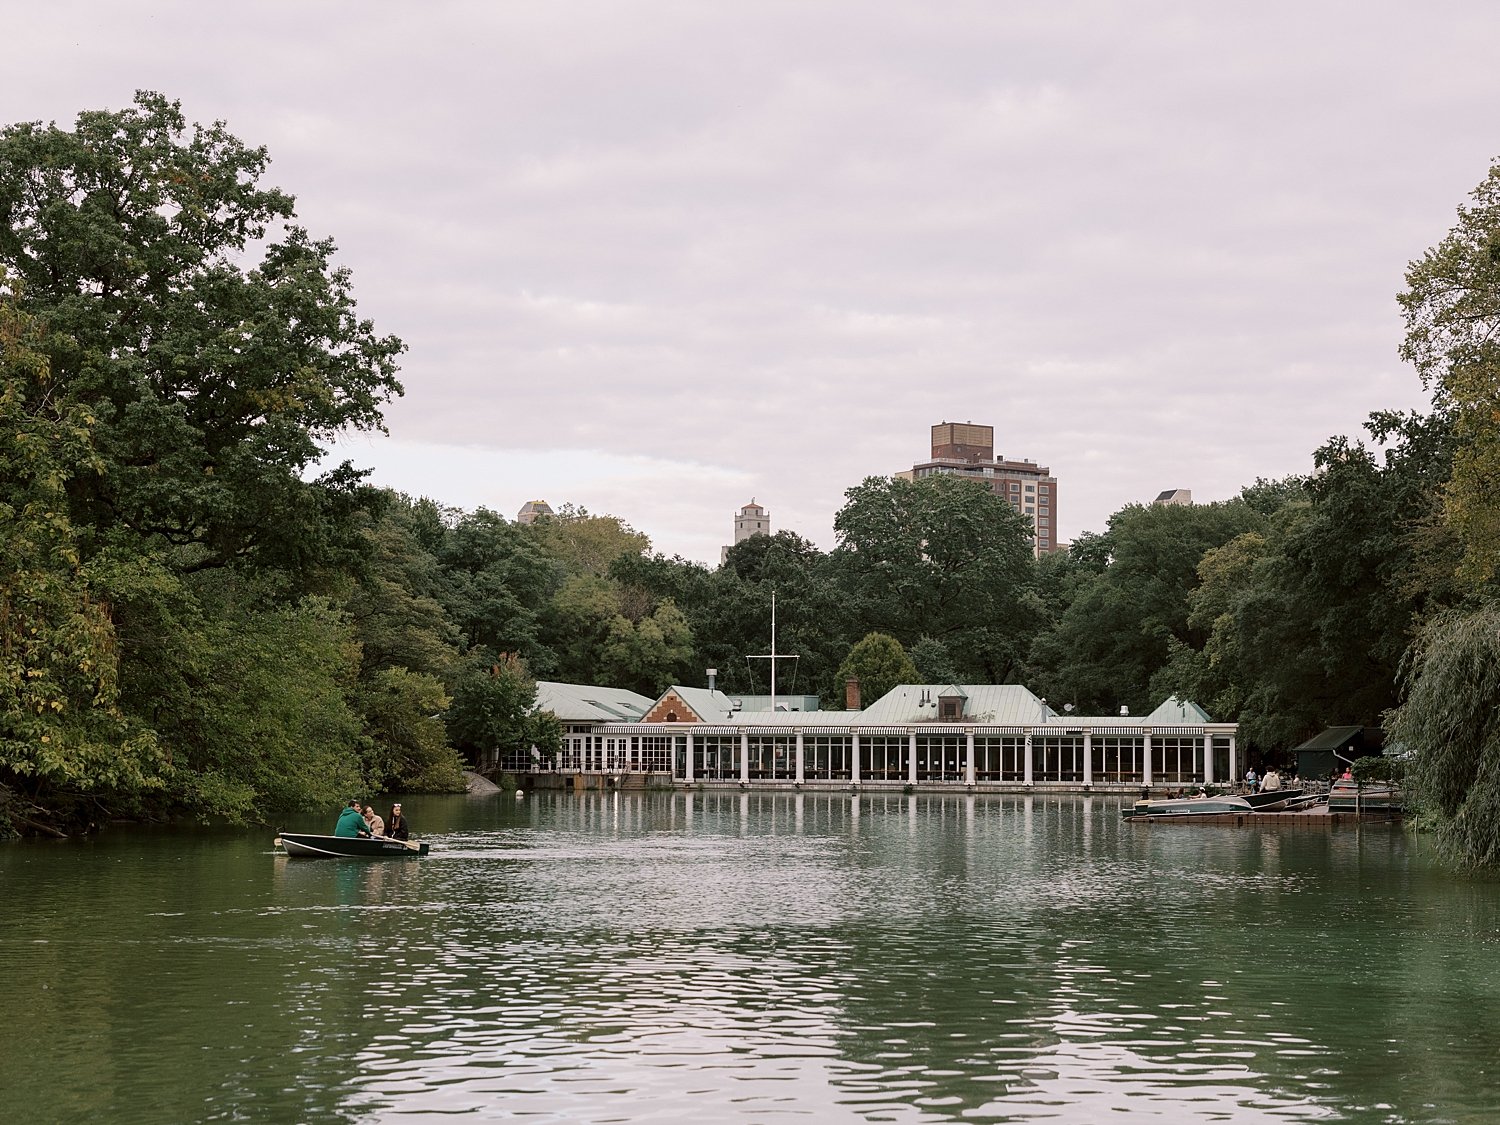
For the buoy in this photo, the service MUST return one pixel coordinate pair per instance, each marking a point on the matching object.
(520, 793)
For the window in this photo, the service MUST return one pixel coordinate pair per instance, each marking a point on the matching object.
(1031, 488)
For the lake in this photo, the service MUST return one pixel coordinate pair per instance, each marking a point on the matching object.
(753, 957)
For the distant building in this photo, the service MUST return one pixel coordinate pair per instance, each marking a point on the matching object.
(750, 520)
(966, 450)
(533, 509)
(1183, 496)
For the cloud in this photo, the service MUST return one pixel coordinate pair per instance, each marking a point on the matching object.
(673, 255)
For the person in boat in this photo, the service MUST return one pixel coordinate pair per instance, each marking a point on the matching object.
(373, 821)
(1271, 781)
(1252, 780)
(396, 828)
(351, 823)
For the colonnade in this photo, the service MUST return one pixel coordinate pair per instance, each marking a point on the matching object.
(1026, 756)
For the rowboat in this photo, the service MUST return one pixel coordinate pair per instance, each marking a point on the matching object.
(304, 845)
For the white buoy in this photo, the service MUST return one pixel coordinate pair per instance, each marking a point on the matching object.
(520, 793)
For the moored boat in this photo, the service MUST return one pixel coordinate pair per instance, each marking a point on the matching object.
(1189, 806)
(1266, 801)
(306, 845)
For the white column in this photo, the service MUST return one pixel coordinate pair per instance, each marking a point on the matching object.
(1146, 758)
(1234, 764)
(1208, 759)
(689, 769)
(1088, 757)
(745, 757)
(799, 774)
(854, 757)
(1027, 776)
(911, 758)
(969, 757)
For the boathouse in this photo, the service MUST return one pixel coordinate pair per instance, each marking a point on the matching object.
(978, 737)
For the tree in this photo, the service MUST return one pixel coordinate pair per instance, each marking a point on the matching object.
(587, 544)
(648, 654)
(1130, 605)
(492, 709)
(933, 662)
(1448, 719)
(214, 359)
(62, 731)
(1452, 309)
(407, 744)
(942, 557)
(879, 663)
(496, 585)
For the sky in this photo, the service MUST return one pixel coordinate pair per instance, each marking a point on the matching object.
(657, 259)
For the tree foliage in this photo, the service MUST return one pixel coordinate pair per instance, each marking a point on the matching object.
(1448, 719)
(879, 663)
(941, 557)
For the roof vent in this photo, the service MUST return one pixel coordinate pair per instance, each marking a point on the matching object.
(1124, 710)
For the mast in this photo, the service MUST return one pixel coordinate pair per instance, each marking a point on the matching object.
(773, 652)
(773, 655)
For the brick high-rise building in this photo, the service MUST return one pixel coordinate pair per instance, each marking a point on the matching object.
(966, 450)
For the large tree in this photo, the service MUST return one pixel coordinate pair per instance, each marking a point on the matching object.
(941, 557)
(212, 336)
(1452, 309)
(194, 350)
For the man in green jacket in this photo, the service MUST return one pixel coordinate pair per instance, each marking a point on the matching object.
(350, 822)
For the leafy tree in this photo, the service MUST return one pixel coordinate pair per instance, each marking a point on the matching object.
(942, 557)
(648, 654)
(1452, 309)
(497, 583)
(257, 712)
(933, 662)
(1448, 719)
(1124, 624)
(587, 544)
(62, 731)
(879, 663)
(395, 605)
(492, 709)
(213, 357)
(407, 744)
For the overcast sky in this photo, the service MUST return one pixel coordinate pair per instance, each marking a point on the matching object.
(657, 258)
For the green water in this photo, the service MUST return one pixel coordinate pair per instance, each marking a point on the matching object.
(752, 958)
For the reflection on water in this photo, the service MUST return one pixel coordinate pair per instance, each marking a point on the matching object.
(755, 957)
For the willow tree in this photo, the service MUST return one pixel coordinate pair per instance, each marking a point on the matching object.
(1449, 719)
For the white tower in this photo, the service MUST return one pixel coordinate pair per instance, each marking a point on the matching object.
(752, 519)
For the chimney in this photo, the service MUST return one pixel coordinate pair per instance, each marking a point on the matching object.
(851, 694)
(712, 672)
